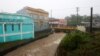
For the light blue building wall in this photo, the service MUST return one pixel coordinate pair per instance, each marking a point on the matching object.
(35, 17)
(15, 27)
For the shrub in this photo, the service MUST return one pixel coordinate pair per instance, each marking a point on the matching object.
(73, 40)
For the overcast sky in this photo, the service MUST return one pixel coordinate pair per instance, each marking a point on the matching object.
(60, 8)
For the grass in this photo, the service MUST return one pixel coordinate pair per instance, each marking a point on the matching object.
(79, 44)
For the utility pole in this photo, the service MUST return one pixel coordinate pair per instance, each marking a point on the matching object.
(91, 18)
(51, 13)
(77, 10)
(51, 18)
(53, 30)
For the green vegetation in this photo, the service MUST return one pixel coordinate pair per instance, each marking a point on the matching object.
(79, 44)
(74, 21)
(74, 39)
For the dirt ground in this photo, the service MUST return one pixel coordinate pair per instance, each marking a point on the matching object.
(43, 47)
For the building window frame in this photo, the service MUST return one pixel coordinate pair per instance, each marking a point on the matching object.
(12, 27)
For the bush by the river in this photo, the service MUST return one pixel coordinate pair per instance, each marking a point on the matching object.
(79, 44)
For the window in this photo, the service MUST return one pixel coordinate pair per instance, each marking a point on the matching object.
(12, 27)
(35, 16)
(19, 27)
(5, 27)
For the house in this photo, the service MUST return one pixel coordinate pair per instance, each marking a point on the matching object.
(39, 16)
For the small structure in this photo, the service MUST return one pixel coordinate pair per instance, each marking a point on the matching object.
(60, 25)
(81, 28)
(57, 23)
(15, 27)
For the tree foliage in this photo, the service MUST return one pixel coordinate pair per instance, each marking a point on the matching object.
(75, 20)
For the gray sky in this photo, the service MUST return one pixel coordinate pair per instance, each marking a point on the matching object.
(60, 8)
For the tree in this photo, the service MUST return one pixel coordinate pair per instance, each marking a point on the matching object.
(73, 21)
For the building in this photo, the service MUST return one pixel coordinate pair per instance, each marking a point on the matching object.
(57, 22)
(95, 23)
(39, 16)
(15, 27)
